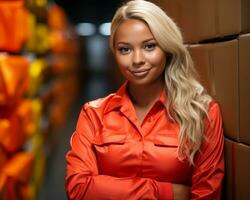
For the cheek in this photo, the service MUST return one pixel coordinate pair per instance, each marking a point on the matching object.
(157, 58)
(122, 62)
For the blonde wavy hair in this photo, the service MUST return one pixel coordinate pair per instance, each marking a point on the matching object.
(187, 100)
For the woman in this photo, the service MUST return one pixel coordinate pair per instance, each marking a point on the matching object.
(160, 135)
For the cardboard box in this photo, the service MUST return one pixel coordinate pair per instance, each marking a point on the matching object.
(229, 178)
(237, 173)
(202, 20)
(245, 16)
(217, 64)
(244, 89)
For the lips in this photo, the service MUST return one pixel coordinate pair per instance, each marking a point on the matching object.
(140, 73)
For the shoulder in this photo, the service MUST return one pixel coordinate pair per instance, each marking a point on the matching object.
(214, 123)
(214, 112)
(99, 104)
(91, 114)
(95, 109)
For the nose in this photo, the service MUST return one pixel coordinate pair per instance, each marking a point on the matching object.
(138, 57)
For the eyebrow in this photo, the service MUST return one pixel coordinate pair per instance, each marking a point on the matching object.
(144, 41)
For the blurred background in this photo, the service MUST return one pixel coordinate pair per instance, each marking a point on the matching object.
(54, 57)
(96, 73)
(97, 76)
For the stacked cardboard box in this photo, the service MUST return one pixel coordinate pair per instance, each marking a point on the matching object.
(203, 20)
(244, 90)
(237, 173)
(217, 65)
(224, 70)
(217, 35)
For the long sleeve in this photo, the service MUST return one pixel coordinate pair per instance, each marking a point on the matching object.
(83, 180)
(209, 164)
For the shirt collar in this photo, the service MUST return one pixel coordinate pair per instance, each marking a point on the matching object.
(121, 98)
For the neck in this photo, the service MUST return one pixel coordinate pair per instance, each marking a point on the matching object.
(145, 96)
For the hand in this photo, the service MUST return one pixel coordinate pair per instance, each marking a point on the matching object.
(181, 192)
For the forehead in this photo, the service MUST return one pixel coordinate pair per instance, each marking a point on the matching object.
(133, 30)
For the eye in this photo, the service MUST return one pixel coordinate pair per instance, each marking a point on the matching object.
(149, 46)
(124, 50)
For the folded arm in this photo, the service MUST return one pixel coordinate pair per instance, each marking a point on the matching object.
(84, 182)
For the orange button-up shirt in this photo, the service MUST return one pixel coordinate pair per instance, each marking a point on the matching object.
(112, 156)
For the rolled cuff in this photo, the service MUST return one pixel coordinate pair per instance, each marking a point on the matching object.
(165, 191)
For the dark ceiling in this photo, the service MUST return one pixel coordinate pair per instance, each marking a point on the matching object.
(95, 11)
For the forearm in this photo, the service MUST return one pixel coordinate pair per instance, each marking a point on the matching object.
(108, 187)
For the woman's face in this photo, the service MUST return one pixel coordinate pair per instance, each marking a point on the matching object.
(137, 53)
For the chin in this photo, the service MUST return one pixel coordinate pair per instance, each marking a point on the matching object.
(140, 82)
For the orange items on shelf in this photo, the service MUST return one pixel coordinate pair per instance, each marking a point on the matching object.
(36, 3)
(13, 25)
(37, 114)
(11, 136)
(19, 167)
(63, 36)
(57, 22)
(58, 41)
(3, 160)
(61, 101)
(64, 41)
(18, 124)
(14, 79)
(39, 40)
(26, 116)
(57, 19)
(36, 76)
(62, 64)
(60, 105)
(3, 186)
(36, 143)
(38, 7)
(17, 173)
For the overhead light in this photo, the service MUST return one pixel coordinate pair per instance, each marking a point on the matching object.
(104, 28)
(85, 29)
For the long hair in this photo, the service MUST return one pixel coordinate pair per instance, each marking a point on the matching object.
(187, 100)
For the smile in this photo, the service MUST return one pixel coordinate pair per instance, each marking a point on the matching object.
(140, 73)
